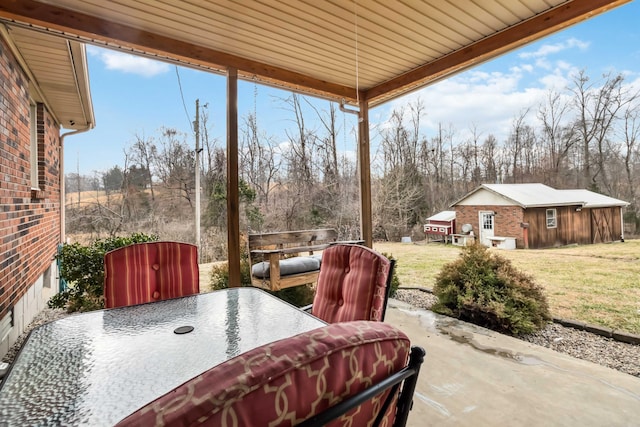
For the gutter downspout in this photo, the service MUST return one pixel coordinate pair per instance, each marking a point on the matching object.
(63, 193)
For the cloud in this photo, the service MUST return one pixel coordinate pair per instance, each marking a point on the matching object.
(127, 63)
(554, 48)
(486, 101)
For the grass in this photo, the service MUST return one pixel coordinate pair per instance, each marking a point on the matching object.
(596, 284)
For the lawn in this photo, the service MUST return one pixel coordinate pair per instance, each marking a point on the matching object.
(597, 284)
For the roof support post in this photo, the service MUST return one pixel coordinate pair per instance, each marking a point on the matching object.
(364, 163)
(233, 200)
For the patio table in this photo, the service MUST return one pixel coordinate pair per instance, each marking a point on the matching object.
(96, 368)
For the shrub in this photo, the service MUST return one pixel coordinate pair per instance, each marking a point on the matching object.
(219, 278)
(83, 269)
(485, 289)
(395, 281)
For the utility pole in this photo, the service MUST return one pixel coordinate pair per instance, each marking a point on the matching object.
(196, 125)
(78, 176)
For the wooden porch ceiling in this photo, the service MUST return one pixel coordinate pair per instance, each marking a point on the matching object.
(368, 50)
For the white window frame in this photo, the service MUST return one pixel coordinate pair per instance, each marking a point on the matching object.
(33, 158)
(552, 218)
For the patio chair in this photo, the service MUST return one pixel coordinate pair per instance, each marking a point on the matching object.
(354, 284)
(353, 373)
(147, 272)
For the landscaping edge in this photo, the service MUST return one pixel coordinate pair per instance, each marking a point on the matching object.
(617, 335)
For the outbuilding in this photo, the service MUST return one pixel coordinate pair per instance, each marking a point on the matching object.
(538, 216)
(440, 226)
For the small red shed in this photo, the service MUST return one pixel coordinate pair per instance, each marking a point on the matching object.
(441, 224)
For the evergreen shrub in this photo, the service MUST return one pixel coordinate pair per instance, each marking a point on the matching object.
(486, 289)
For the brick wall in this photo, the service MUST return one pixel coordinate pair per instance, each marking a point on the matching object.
(29, 220)
(507, 222)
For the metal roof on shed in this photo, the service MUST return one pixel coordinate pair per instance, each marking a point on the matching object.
(593, 200)
(540, 195)
(443, 216)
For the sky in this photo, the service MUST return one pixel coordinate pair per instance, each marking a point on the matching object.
(136, 97)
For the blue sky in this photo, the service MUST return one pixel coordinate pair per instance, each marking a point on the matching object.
(133, 96)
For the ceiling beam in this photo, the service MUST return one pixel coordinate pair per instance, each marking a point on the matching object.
(101, 31)
(518, 35)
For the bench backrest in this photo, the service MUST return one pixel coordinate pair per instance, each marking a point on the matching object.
(298, 238)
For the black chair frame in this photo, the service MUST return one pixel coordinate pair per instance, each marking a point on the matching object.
(392, 267)
(406, 378)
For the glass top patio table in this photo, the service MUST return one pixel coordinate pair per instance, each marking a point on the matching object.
(98, 367)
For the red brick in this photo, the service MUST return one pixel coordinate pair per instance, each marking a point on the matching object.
(21, 261)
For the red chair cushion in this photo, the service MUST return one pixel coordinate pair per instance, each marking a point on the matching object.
(288, 381)
(352, 284)
(147, 272)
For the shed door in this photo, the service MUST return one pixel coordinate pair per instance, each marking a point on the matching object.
(486, 226)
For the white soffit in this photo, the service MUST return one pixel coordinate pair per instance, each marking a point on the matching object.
(382, 48)
(59, 69)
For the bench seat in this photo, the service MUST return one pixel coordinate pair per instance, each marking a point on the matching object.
(289, 266)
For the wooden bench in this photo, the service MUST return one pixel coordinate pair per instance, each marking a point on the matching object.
(290, 258)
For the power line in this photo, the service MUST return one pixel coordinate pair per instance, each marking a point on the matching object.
(182, 97)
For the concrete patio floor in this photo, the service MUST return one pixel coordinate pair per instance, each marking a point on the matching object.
(472, 376)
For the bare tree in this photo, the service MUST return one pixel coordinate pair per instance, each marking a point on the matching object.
(402, 199)
(474, 146)
(598, 109)
(489, 156)
(301, 143)
(143, 152)
(327, 144)
(175, 164)
(631, 154)
(519, 138)
(259, 163)
(557, 135)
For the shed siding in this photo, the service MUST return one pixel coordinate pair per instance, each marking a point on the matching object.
(598, 225)
(572, 227)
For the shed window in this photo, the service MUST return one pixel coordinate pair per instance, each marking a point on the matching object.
(551, 218)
